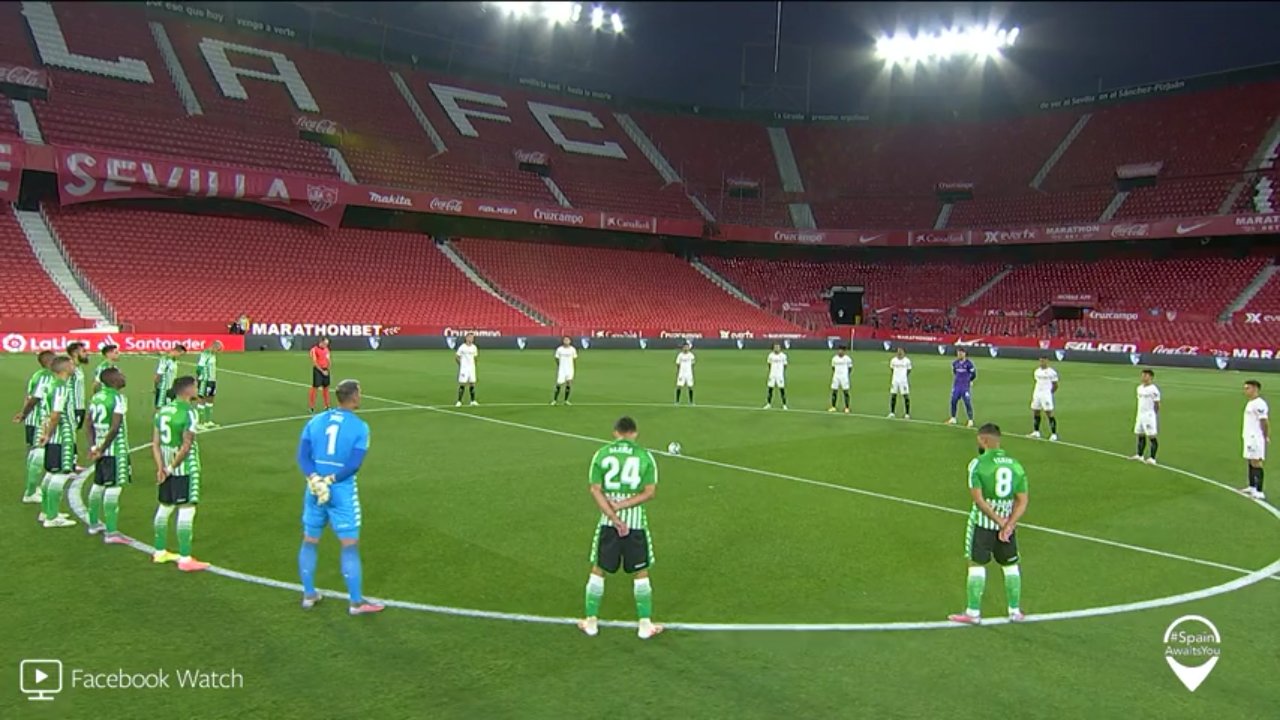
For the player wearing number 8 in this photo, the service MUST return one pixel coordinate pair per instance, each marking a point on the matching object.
(998, 486)
(623, 477)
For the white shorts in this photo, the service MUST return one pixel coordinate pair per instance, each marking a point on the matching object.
(564, 376)
(899, 387)
(839, 383)
(777, 381)
(1147, 424)
(466, 376)
(1042, 401)
(1255, 448)
(684, 380)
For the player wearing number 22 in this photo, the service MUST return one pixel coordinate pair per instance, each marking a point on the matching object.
(998, 486)
(330, 452)
(624, 476)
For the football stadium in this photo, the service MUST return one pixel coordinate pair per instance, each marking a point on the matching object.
(350, 345)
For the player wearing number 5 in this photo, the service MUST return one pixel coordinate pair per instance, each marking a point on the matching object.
(624, 476)
(998, 486)
(330, 452)
(177, 456)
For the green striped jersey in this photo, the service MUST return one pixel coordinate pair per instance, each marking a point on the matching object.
(104, 365)
(107, 403)
(57, 399)
(207, 366)
(37, 386)
(167, 369)
(171, 422)
(622, 469)
(76, 382)
(1001, 478)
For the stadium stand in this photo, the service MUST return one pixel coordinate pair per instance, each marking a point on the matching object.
(602, 287)
(149, 266)
(1267, 299)
(26, 292)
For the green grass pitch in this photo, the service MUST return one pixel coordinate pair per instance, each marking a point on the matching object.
(797, 517)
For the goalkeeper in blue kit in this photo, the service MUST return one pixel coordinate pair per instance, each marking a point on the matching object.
(330, 452)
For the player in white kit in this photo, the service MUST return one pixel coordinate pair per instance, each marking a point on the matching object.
(684, 371)
(777, 362)
(1147, 424)
(899, 383)
(1256, 434)
(466, 359)
(841, 366)
(566, 356)
(1042, 398)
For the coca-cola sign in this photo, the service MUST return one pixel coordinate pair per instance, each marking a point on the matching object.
(24, 77)
(531, 157)
(319, 126)
(445, 205)
(1130, 230)
(1176, 350)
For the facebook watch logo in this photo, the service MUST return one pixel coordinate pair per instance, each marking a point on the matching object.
(40, 679)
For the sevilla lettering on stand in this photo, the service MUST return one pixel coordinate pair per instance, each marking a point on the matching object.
(90, 175)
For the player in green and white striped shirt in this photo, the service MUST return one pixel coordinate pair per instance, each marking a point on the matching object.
(58, 441)
(998, 486)
(79, 355)
(624, 476)
(32, 418)
(110, 359)
(207, 381)
(177, 456)
(109, 451)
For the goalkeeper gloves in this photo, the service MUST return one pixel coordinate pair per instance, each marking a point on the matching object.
(319, 487)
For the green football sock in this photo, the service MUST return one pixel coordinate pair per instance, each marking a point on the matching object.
(595, 593)
(977, 583)
(35, 469)
(112, 509)
(1013, 586)
(644, 599)
(53, 495)
(95, 504)
(208, 412)
(186, 521)
(161, 526)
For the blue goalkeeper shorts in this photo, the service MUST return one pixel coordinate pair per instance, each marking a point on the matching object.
(342, 512)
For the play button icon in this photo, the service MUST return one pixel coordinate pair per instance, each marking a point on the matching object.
(41, 676)
(41, 679)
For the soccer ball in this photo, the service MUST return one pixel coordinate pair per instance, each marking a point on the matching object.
(673, 448)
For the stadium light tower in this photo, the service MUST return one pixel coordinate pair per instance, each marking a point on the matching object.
(564, 14)
(972, 43)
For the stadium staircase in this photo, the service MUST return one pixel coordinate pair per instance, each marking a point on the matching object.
(1260, 186)
(406, 94)
(28, 296)
(28, 125)
(722, 281)
(802, 216)
(52, 257)
(986, 286)
(786, 160)
(1251, 292)
(660, 162)
(1113, 207)
(483, 283)
(944, 214)
(177, 74)
(1060, 150)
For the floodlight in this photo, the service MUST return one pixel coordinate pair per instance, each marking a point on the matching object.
(616, 21)
(558, 13)
(973, 42)
(515, 9)
(597, 17)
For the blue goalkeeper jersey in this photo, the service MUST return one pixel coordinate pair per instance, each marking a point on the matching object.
(333, 443)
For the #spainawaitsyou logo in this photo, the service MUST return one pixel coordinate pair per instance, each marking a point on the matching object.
(1192, 646)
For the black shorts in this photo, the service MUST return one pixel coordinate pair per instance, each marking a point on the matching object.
(319, 379)
(633, 552)
(80, 419)
(176, 490)
(59, 459)
(164, 396)
(112, 471)
(984, 543)
(208, 389)
(30, 432)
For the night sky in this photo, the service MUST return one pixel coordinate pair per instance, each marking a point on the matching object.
(692, 52)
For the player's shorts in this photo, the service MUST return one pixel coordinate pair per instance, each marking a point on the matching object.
(684, 380)
(1146, 424)
(564, 376)
(342, 512)
(80, 419)
(164, 397)
(1255, 447)
(208, 388)
(466, 377)
(1042, 401)
(180, 490)
(839, 383)
(900, 387)
(60, 458)
(980, 544)
(29, 431)
(114, 471)
(319, 379)
(776, 381)
(634, 552)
